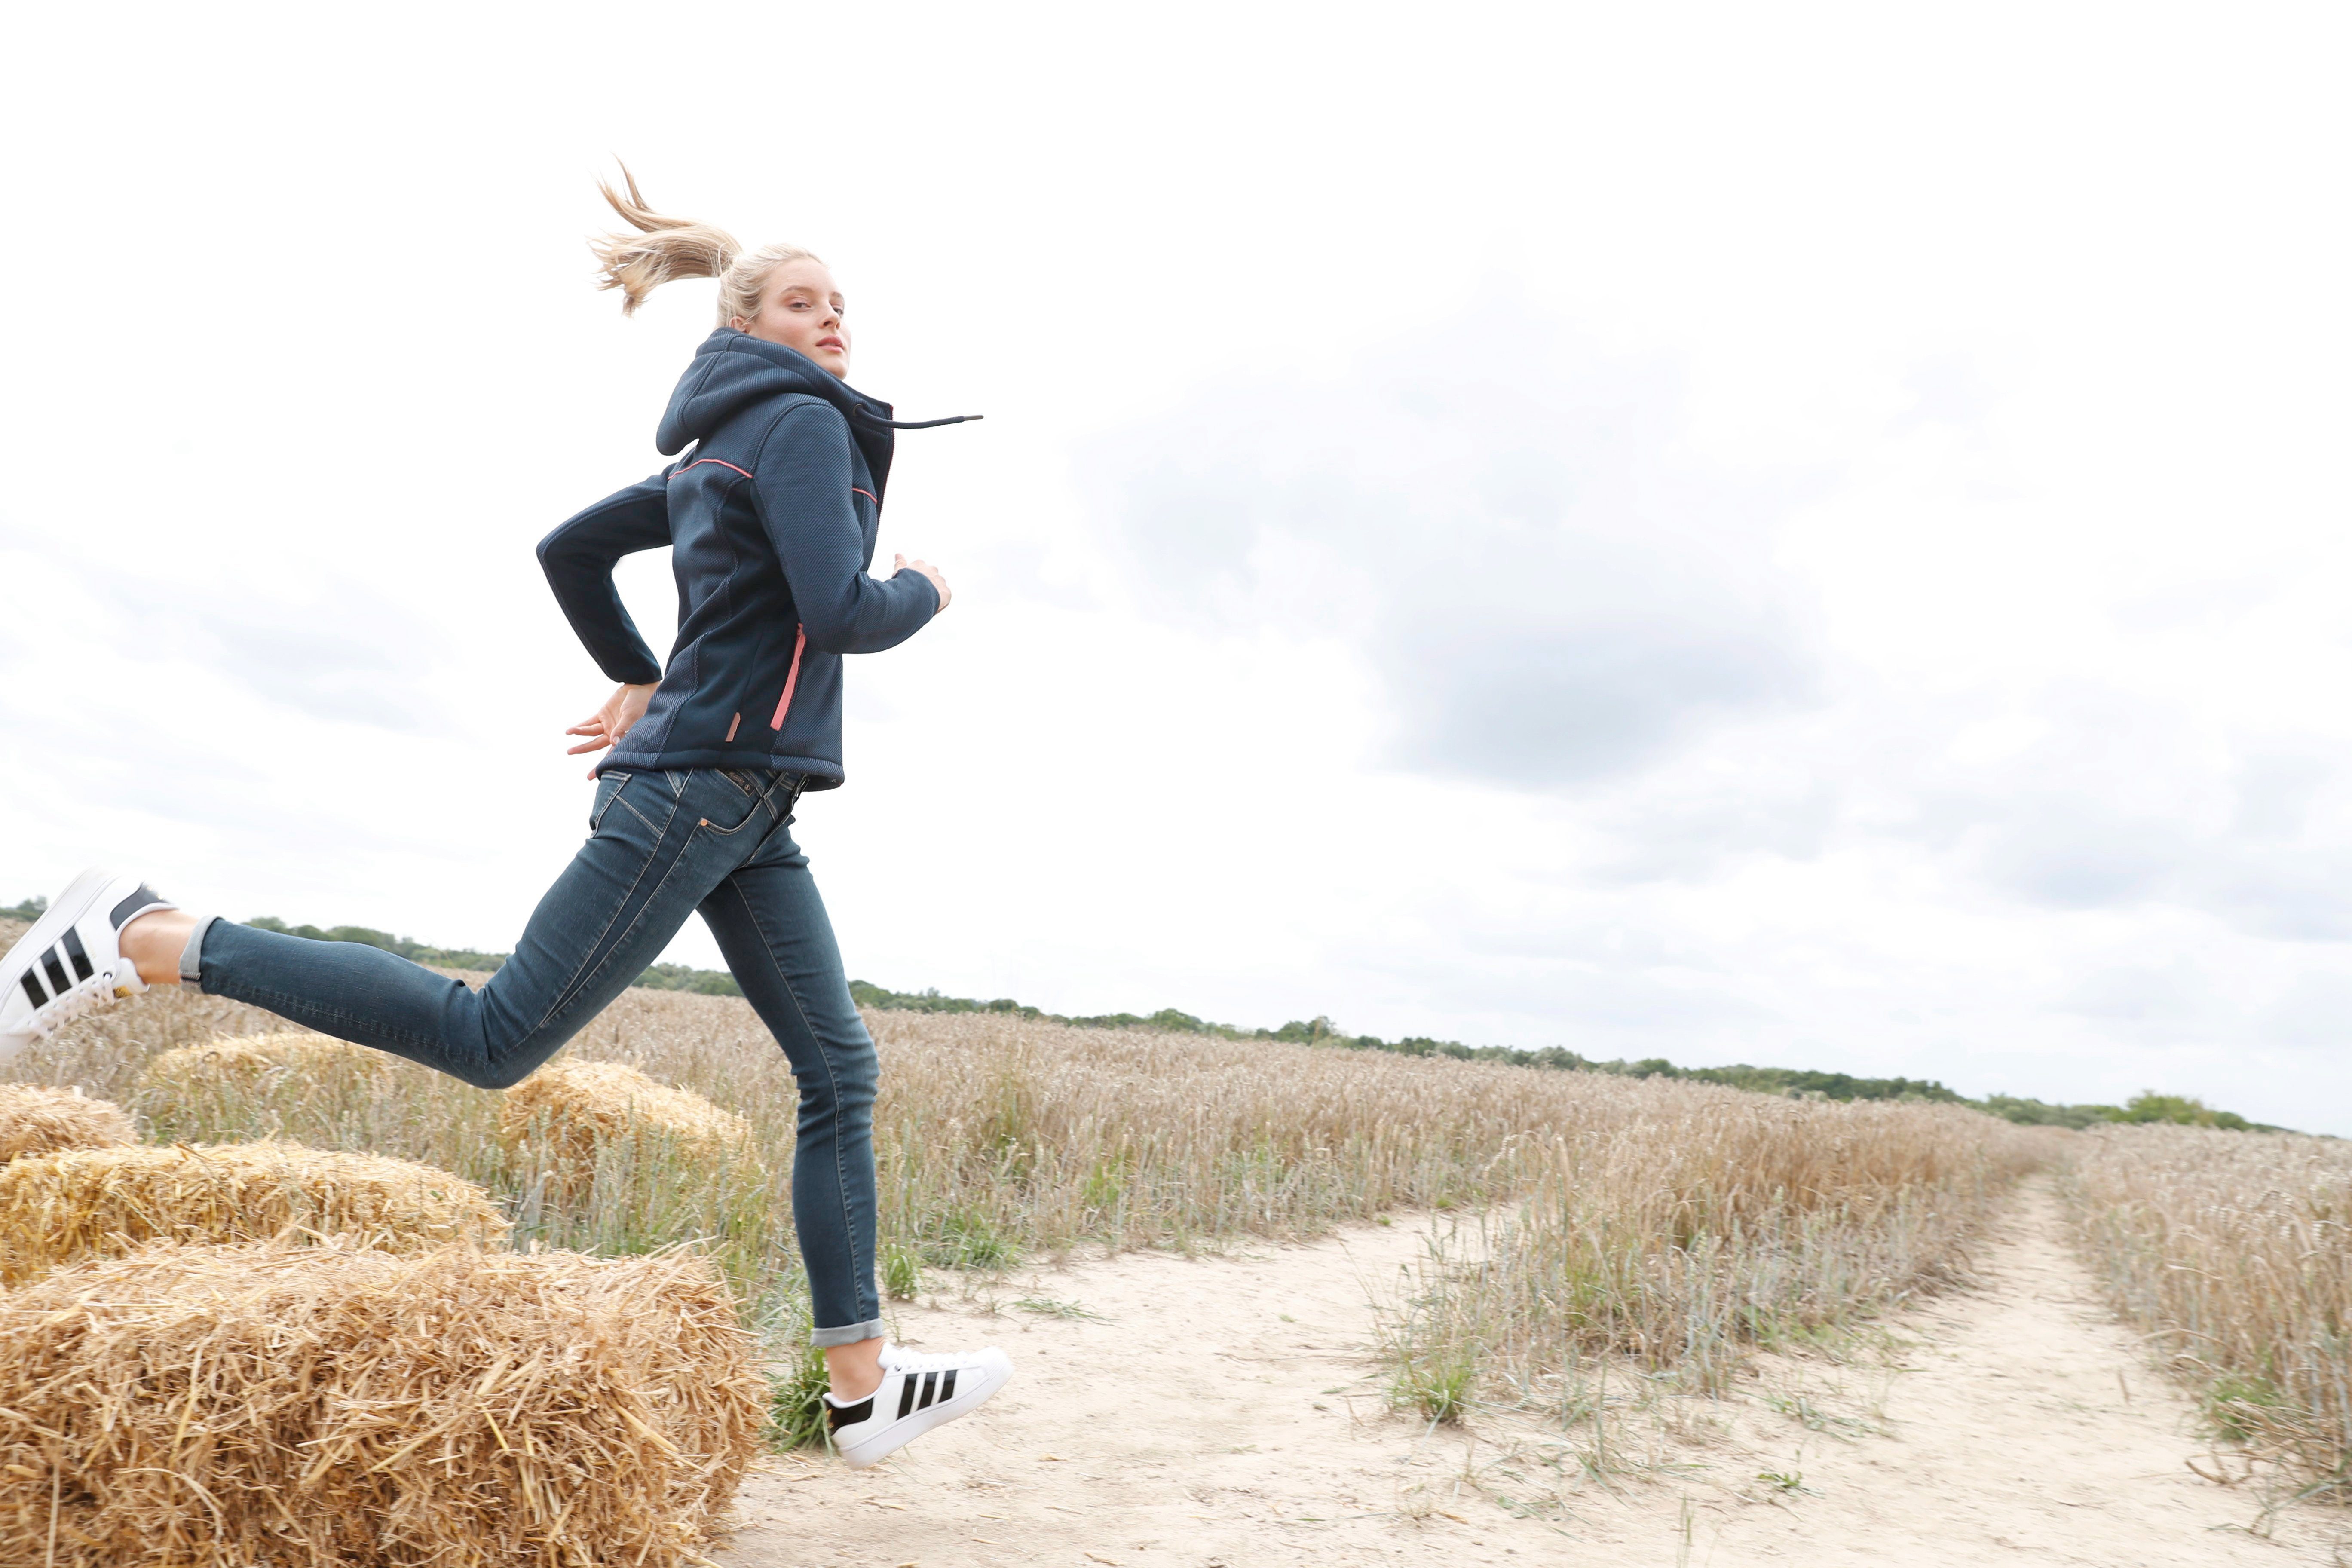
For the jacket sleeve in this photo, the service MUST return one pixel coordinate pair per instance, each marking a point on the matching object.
(803, 476)
(578, 558)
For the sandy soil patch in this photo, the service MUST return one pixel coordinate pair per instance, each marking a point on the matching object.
(1224, 1411)
(2023, 1425)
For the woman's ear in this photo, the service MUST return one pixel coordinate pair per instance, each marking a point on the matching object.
(735, 323)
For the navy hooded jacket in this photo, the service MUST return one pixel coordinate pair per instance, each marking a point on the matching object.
(770, 520)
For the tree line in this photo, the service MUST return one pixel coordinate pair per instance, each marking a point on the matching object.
(1791, 1082)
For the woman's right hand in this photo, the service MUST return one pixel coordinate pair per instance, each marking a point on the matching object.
(619, 715)
(938, 579)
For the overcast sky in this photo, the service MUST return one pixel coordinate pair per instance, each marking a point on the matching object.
(1812, 538)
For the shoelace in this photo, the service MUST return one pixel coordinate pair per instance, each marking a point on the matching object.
(48, 1020)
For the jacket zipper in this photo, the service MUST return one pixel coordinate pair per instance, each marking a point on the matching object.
(800, 642)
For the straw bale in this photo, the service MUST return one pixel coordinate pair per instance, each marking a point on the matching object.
(84, 1203)
(263, 1406)
(35, 1120)
(243, 1061)
(572, 1107)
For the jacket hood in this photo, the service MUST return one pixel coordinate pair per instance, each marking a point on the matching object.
(732, 371)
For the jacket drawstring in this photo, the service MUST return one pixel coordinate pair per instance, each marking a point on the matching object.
(929, 424)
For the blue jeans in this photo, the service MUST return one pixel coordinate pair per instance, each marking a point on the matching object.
(661, 846)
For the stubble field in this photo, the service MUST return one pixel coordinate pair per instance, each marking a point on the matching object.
(1675, 1236)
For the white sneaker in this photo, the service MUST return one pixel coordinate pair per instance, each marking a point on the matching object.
(918, 1393)
(71, 960)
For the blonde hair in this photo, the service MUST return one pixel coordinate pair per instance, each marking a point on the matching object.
(667, 247)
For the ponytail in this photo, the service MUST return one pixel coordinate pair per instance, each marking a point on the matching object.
(667, 247)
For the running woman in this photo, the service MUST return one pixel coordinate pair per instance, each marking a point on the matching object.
(770, 513)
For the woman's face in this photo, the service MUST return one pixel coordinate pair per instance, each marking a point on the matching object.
(800, 309)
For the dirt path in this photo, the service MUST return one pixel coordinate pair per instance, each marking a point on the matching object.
(1224, 1411)
(2025, 1427)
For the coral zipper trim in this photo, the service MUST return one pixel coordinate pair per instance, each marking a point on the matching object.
(800, 642)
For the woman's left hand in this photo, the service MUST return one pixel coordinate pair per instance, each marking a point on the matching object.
(606, 726)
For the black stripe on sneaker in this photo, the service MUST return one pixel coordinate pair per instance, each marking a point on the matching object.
(55, 972)
(930, 1386)
(32, 989)
(146, 898)
(841, 1416)
(78, 954)
(947, 1385)
(906, 1396)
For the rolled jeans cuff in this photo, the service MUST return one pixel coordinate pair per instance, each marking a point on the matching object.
(191, 957)
(856, 1335)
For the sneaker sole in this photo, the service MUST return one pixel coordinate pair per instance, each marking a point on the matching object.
(76, 902)
(882, 1445)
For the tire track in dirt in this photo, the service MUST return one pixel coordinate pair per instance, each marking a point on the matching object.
(1225, 1413)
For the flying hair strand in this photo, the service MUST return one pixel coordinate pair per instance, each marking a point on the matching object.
(665, 247)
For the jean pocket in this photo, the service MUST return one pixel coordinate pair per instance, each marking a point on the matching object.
(723, 805)
(608, 790)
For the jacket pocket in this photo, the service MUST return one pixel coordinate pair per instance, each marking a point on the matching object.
(792, 677)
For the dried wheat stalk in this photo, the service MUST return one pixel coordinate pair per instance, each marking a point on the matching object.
(37, 1121)
(268, 1406)
(83, 1203)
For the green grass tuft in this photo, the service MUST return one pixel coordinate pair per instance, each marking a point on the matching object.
(796, 1403)
(1438, 1383)
(902, 1273)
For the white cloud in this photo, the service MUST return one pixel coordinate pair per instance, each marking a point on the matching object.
(1510, 526)
(1811, 537)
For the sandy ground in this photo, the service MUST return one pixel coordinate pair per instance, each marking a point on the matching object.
(1224, 1413)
